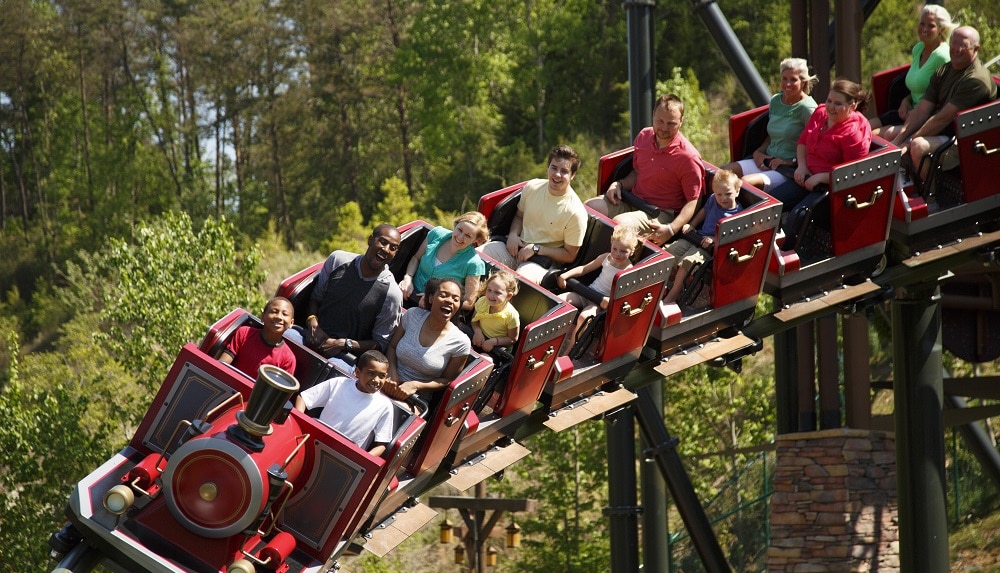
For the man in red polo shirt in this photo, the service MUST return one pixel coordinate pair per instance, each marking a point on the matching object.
(667, 173)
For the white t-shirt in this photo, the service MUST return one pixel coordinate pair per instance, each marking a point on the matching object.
(361, 417)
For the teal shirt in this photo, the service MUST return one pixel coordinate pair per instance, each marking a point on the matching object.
(785, 124)
(464, 263)
(918, 77)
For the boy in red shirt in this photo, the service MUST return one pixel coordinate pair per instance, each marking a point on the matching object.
(250, 347)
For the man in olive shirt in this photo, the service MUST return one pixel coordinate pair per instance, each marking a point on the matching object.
(960, 84)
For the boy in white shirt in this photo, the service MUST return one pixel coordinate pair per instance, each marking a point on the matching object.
(356, 408)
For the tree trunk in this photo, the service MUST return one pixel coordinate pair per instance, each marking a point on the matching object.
(84, 117)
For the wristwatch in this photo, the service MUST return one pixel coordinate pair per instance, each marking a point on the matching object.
(348, 344)
(535, 248)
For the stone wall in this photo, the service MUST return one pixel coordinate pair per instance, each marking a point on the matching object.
(834, 503)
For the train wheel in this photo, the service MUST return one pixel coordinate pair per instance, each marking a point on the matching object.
(880, 266)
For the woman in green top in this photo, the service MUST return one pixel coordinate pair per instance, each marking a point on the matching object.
(929, 54)
(448, 254)
(788, 112)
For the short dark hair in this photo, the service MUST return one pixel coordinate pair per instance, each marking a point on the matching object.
(279, 299)
(568, 153)
(369, 357)
(377, 231)
(668, 101)
(432, 285)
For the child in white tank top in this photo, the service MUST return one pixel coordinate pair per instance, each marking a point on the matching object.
(624, 242)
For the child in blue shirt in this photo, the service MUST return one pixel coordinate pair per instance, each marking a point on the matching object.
(693, 248)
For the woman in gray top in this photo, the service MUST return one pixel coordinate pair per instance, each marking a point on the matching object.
(428, 351)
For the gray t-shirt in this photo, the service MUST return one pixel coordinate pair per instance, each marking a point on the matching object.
(417, 362)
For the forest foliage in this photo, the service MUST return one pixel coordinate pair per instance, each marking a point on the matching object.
(148, 148)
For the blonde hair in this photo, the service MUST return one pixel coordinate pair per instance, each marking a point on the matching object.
(800, 67)
(627, 234)
(508, 280)
(727, 178)
(942, 18)
(477, 220)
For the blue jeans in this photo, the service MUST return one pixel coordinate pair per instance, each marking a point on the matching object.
(790, 194)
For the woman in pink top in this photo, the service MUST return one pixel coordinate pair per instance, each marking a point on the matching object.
(836, 133)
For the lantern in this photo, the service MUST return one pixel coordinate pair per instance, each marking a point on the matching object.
(446, 531)
(513, 535)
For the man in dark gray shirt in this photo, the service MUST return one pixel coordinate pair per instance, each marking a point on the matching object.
(356, 302)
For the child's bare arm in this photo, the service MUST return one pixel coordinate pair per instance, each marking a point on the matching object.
(477, 334)
(513, 334)
(698, 218)
(593, 265)
(565, 276)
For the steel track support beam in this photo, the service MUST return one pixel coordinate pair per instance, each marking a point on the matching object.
(622, 510)
(919, 397)
(690, 508)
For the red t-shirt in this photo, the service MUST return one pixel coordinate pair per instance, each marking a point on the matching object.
(668, 177)
(827, 147)
(249, 351)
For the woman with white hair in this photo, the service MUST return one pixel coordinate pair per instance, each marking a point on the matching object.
(929, 54)
(788, 111)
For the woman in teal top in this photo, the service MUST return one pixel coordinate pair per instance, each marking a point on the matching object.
(449, 253)
(929, 54)
(788, 112)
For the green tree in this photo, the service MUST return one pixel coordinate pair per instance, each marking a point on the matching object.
(396, 206)
(171, 283)
(569, 479)
(351, 233)
(63, 413)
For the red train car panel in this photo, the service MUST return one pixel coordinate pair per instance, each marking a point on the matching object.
(743, 248)
(635, 293)
(627, 321)
(953, 204)
(962, 200)
(294, 491)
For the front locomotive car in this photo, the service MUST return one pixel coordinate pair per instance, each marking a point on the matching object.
(222, 475)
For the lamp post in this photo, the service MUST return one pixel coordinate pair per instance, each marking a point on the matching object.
(481, 515)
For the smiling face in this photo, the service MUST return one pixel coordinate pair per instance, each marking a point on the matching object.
(371, 376)
(277, 318)
(667, 120)
(496, 294)
(560, 175)
(791, 86)
(464, 235)
(620, 253)
(382, 247)
(963, 47)
(839, 107)
(446, 301)
(928, 31)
